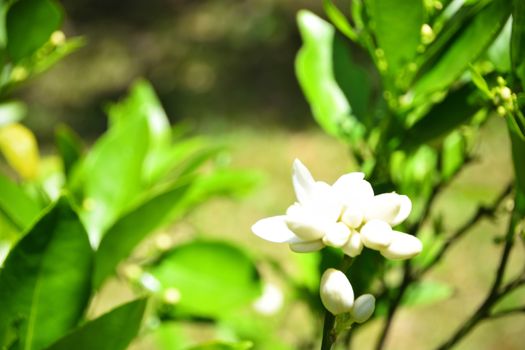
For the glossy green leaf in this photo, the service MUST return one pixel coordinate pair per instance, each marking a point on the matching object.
(213, 278)
(45, 282)
(70, 147)
(454, 110)
(453, 155)
(397, 26)
(121, 238)
(314, 70)
(465, 48)
(29, 25)
(16, 204)
(499, 51)
(110, 176)
(11, 112)
(112, 331)
(426, 292)
(517, 46)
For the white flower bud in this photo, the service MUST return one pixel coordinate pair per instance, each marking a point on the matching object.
(336, 235)
(376, 234)
(336, 292)
(363, 308)
(403, 246)
(352, 216)
(354, 246)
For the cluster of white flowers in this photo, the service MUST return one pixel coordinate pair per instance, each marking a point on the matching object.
(345, 215)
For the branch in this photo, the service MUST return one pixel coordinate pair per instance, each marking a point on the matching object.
(508, 312)
(482, 212)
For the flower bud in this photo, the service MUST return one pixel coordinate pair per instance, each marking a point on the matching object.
(403, 246)
(336, 292)
(336, 235)
(376, 234)
(363, 308)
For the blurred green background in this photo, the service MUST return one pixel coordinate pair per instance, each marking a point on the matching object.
(225, 68)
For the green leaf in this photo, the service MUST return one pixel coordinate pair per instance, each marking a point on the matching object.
(465, 48)
(70, 147)
(11, 112)
(397, 26)
(314, 71)
(426, 292)
(453, 154)
(16, 204)
(29, 25)
(480, 82)
(499, 51)
(112, 331)
(110, 176)
(517, 43)
(142, 103)
(218, 345)
(454, 110)
(518, 158)
(339, 19)
(213, 278)
(45, 282)
(120, 240)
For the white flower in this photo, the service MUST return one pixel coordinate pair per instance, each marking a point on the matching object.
(346, 215)
(271, 300)
(337, 296)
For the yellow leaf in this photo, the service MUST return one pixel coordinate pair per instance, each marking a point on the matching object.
(20, 149)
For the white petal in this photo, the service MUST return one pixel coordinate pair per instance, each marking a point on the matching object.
(353, 216)
(404, 210)
(385, 207)
(354, 246)
(336, 292)
(336, 235)
(304, 227)
(324, 202)
(302, 180)
(307, 247)
(403, 246)
(273, 229)
(363, 308)
(352, 189)
(376, 234)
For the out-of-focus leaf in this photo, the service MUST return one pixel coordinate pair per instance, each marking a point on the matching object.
(453, 154)
(465, 48)
(353, 79)
(110, 176)
(480, 82)
(16, 204)
(45, 282)
(364, 270)
(29, 25)
(52, 53)
(142, 103)
(338, 19)
(444, 117)
(426, 292)
(499, 51)
(133, 227)
(517, 43)
(397, 26)
(218, 345)
(518, 158)
(170, 335)
(213, 278)
(20, 149)
(70, 147)
(314, 70)
(112, 331)
(12, 112)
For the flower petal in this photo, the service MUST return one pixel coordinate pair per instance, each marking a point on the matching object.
(274, 229)
(336, 292)
(376, 234)
(404, 210)
(403, 246)
(303, 182)
(336, 235)
(385, 207)
(353, 190)
(306, 228)
(363, 308)
(354, 246)
(324, 202)
(307, 247)
(352, 216)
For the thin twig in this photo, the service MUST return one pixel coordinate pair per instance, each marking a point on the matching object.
(508, 312)
(481, 212)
